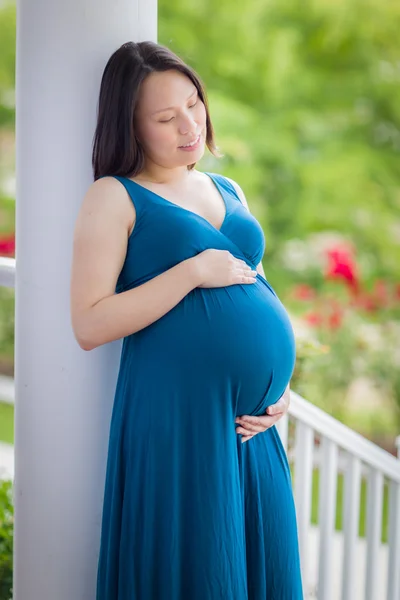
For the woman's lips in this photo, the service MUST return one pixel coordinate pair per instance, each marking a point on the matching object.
(191, 148)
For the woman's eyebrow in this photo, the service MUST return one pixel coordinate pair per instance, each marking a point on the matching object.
(172, 107)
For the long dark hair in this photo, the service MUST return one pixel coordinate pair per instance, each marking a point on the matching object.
(116, 147)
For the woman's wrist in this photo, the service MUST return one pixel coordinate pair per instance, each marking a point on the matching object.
(193, 271)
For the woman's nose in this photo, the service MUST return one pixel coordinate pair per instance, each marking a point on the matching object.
(187, 125)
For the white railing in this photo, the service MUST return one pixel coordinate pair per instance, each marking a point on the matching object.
(7, 272)
(315, 440)
(7, 390)
(7, 279)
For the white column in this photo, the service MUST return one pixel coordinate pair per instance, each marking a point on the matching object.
(63, 395)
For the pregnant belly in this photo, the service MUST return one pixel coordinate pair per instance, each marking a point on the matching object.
(237, 337)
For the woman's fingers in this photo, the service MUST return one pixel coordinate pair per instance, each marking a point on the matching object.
(245, 438)
(282, 405)
(251, 429)
(247, 274)
(249, 425)
(259, 424)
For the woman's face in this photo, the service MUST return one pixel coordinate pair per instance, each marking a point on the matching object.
(170, 115)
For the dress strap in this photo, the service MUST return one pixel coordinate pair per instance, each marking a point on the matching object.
(226, 184)
(133, 193)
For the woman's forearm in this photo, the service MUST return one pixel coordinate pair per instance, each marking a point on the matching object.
(122, 314)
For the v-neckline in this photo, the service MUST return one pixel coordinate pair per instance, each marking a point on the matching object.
(192, 212)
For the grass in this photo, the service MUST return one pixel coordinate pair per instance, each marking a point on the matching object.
(7, 435)
(6, 423)
(339, 506)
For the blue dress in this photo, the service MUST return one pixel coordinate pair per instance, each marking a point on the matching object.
(190, 512)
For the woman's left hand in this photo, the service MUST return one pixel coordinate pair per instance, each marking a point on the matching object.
(249, 426)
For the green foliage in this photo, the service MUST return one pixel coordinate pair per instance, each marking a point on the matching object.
(6, 323)
(304, 100)
(6, 540)
(6, 423)
(330, 361)
(7, 63)
(7, 214)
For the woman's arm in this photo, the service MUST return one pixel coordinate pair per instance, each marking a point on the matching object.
(100, 242)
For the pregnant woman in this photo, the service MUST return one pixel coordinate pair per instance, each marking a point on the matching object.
(198, 501)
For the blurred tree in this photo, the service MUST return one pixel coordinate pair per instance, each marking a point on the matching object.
(7, 64)
(304, 99)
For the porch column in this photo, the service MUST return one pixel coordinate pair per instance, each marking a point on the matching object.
(63, 395)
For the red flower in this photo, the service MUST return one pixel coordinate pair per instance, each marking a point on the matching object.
(377, 299)
(314, 319)
(335, 319)
(7, 245)
(341, 265)
(303, 291)
(381, 293)
(368, 303)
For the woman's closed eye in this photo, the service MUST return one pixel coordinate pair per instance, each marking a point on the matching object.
(168, 120)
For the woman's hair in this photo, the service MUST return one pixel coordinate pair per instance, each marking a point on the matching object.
(116, 147)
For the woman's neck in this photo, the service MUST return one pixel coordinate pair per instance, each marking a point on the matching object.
(161, 176)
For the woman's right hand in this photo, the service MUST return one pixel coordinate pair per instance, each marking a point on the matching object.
(219, 268)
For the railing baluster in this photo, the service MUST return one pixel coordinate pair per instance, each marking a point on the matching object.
(326, 517)
(282, 426)
(374, 532)
(303, 470)
(393, 592)
(351, 518)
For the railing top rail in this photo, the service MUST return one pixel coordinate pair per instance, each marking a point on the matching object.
(7, 389)
(7, 272)
(351, 441)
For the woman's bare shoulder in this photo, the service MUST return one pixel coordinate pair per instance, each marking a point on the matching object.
(107, 198)
(105, 189)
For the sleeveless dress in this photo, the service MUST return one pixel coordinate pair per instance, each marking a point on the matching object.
(190, 512)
